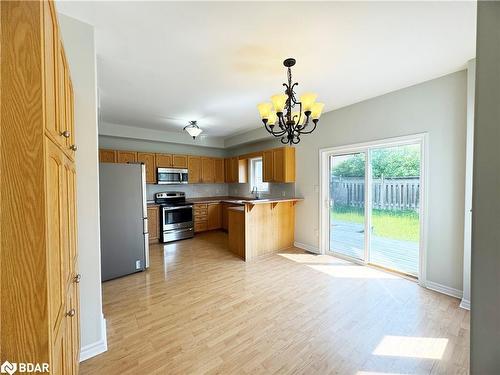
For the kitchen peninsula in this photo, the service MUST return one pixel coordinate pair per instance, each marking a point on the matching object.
(255, 226)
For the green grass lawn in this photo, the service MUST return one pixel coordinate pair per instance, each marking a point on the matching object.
(398, 225)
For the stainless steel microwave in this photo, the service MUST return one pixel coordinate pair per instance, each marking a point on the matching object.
(172, 176)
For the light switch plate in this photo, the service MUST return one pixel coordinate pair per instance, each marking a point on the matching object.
(138, 265)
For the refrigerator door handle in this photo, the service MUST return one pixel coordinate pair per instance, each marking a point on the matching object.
(146, 250)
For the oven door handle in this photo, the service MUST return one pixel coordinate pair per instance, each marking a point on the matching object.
(175, 208)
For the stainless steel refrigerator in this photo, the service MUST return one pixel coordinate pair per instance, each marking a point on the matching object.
(124, 223)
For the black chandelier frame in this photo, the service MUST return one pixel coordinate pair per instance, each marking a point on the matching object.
(290, 127)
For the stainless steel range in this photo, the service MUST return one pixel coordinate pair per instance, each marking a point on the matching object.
(176, 216)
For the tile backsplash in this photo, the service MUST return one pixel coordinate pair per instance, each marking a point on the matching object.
(191, 190)
(214, 190)
(275, 190)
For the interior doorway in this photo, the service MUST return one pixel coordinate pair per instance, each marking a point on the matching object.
(374, 209)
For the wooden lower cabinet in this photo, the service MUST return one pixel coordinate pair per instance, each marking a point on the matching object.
(154, 223)
(214, 216)
(207, 216)
(236, 237)
(39, 257)
(200, 216)
(225, 215)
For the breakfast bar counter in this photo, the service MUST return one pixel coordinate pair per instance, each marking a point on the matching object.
(260, 227)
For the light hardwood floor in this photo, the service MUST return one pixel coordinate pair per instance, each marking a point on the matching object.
(200, 309)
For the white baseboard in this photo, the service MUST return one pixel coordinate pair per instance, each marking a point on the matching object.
(465, 304)
(310, 248)
(96, 348)
(443, 289)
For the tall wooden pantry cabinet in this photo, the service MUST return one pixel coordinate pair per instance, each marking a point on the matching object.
(39, 279)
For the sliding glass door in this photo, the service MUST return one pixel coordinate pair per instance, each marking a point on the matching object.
(374, 205)
(395, 185)
(347, 204)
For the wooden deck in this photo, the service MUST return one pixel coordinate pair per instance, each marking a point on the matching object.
(349, 239)
(200, 309)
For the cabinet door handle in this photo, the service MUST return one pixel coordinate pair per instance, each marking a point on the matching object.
(73, 147)
(71, 313)
(66, 134)
(77, 278)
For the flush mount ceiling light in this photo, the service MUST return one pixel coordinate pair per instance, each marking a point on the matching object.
(193, 129)
(291, 124)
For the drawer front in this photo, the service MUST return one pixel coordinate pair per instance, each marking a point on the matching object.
(200, 217)
(198, 206)
(200, 226)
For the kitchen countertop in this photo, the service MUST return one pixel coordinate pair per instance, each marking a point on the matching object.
(242, 200)
(235, 200)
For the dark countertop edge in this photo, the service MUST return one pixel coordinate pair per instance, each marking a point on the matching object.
(236, 200)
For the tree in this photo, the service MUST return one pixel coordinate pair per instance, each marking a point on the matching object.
(388, 162)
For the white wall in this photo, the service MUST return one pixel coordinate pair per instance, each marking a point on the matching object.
(469, 158)
(121, 143)
(132, 132)
(485, 272)
(437, 107)
(78, 40)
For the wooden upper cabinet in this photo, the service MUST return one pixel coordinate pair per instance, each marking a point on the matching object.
(242, 171)
(219, 171)
(57, 232)
(179, 161)
(107, 156)
(163, 160)
(214, 216)
(126, 156)
(227, 170)
(267, 166)
(61, 97)
(149, 161)
(37, 109)
(207, 170)
(70, 115)
(284, 164)
(171, 161)
(51, 58)
(279, 165)
(235, 170)
(194, 169)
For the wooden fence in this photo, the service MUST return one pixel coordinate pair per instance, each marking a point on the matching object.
(387, 193)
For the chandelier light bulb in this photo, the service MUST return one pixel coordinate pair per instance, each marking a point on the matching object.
(288, 118)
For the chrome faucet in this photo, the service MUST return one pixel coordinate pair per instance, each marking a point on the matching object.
(255, 192)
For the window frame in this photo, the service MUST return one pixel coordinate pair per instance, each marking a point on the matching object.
(262, 187)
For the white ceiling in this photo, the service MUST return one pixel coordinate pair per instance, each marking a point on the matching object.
(161, 64)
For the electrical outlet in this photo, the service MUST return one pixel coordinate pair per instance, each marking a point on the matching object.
(283, 193)
(138, 265)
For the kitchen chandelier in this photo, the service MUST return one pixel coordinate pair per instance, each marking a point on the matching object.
(291, 124)
(193, 129)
